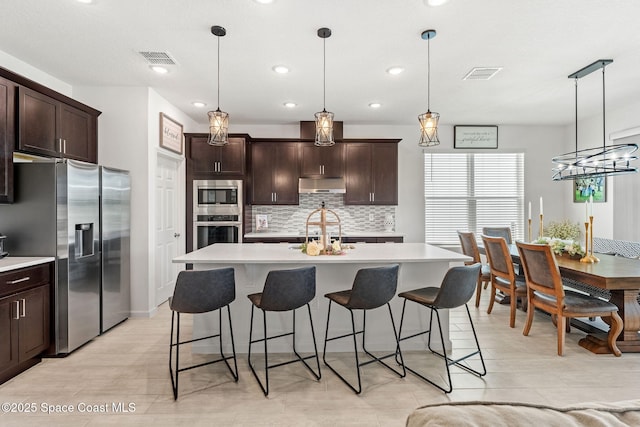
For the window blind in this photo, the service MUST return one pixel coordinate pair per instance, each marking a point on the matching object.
(468, 191)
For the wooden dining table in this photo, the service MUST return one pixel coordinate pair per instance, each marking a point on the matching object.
(618, 275)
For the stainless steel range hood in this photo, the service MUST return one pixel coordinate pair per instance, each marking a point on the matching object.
(321, 185)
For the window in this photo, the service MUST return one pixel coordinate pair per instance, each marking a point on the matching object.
(468, 191)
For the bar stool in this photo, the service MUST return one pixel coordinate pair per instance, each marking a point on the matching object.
(372, 288)
(284, 290)
(456, 290)
(201, 291)
(470, 248)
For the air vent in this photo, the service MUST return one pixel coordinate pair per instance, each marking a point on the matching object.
(482, 73)
(158, 58)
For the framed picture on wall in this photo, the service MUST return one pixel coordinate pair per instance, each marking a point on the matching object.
(171, 135)
(585, 187)
(481, 136)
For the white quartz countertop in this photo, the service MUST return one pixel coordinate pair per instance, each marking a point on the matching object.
(285, 253)
(14, 262)
(286, 234)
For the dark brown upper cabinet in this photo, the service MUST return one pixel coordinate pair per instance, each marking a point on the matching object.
(274, 173)
(321, 162)
(7, 139)
(371, 172)
(206, 160)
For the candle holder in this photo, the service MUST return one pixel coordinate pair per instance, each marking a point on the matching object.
(591, 256)
(586, 258)
(541, 227)
(529, 236)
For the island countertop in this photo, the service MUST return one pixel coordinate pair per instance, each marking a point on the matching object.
(285, 253)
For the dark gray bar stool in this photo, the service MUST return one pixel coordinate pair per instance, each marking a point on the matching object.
(456, 290)
(284, 290)
(201, 291)
(372, 288)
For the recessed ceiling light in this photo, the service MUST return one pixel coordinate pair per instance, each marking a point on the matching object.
(395, 70)
(435, 2)
(158, 69)
(85, 1)
(264, 1)
(290, 104)
(199, 104)
(375, 105)
(280, 69)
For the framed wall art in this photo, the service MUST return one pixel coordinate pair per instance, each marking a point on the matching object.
(585, 187)
(481, 136)
(171, 135)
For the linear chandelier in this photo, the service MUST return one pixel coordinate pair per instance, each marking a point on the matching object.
(218, 120)
(594, 162)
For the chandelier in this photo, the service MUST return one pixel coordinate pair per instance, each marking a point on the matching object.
(594, 162)
(428, 121)
(218, 120)
(324, 118)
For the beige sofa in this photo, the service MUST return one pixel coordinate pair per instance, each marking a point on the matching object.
(497, 414)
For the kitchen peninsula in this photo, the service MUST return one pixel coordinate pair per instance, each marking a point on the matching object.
(420, 265)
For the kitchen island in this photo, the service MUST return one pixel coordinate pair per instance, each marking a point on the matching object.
(420, 265)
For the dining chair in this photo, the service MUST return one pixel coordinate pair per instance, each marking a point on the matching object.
(470, 249)
(545, 292)
(503, 276)
(498, 232)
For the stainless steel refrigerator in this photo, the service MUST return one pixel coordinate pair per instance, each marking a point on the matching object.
(115, 224)
(56, 213)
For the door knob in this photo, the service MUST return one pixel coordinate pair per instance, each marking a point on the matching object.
(176, 234)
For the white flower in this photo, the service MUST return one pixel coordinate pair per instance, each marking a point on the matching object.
(336, 246)
(313, 248)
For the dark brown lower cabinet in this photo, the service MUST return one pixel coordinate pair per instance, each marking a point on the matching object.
(24, 320)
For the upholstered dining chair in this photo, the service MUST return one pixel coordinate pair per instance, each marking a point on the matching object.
(470, 249)
(201, 291)
(455, 291)
(504, 232)
(545, 292)
(503, 276)
(284, 290)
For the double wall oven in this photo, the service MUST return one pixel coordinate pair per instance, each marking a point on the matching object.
(217, 212)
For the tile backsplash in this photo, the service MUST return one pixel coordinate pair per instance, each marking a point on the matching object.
(292, 218)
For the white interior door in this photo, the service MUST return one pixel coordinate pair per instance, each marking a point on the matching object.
(167, 231)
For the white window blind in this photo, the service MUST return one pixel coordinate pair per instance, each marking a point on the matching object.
(468, 191)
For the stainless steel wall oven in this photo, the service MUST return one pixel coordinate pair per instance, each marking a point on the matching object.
(217, 212)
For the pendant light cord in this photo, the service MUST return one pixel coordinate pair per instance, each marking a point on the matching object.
(218, 73)
(576, 85)
(324, 74)
(604, 136)
(429, 74)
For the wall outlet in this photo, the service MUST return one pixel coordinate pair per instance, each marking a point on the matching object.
(371, 217)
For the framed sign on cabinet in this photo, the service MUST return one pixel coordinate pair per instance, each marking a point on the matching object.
(482, 136)
(171, 135)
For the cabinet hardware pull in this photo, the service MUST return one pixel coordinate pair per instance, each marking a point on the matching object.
(64, 142)
(14, 282)
(24, 308)
(373, 197)
(60, 145)
(17, 310)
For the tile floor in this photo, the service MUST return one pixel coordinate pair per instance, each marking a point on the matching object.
(129, 365)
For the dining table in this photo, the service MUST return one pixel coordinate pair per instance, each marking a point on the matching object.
(621, 278)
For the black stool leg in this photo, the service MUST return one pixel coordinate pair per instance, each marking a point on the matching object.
(381, 358)
(313, 336)
(174, 382)
(234, 372)
(265, 390)
(355, 350)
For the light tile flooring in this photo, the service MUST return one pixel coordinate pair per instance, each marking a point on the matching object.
(129, 365)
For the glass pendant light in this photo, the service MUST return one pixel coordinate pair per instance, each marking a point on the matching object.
(429, 120)
(218, 120)
(324, 118)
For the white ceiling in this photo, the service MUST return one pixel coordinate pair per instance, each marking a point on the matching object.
(537, 42)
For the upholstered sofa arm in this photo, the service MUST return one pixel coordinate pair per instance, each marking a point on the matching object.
(497, 414)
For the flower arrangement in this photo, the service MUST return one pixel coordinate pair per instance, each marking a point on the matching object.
(558, 246)
(564, 230)
(314, 248)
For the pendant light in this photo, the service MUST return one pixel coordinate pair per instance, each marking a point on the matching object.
(428, 121)
(594, 162)
(218, 120)
(324, 118)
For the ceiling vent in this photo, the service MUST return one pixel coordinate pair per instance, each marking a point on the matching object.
(158, 58)
(482, 73)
